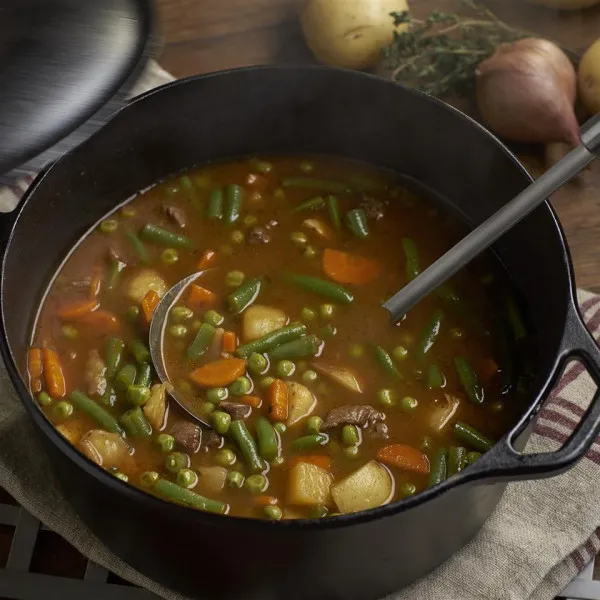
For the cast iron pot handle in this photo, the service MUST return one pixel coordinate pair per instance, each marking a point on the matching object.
(503, 461)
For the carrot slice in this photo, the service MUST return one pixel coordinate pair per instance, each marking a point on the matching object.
(35, 385)
(55, 380)
(207, 260)
(102, 321)
(319, 460)
(199, 297)
(96, 284)
(277, 396)
(72, 311)
(344, 267)
(404, 457)
(219, 372)
(229, 341)
(253, 401)
(35, 366)
(149, 303)
(265, 500)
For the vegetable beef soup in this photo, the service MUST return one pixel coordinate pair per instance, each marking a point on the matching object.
(319, 405)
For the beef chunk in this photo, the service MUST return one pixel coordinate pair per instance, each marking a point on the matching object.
(374, 209)
(258, 235)
(380, 430)
(351, 414)
(212, 439)
(188, 435)
(237, 410)
(177, 215)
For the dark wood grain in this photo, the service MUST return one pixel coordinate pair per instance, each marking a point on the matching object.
(218, 34)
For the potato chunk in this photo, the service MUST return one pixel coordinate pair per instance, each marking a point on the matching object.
(301, 401)
(143, 282)
(309, 485)
(105, 449)
(260, 320)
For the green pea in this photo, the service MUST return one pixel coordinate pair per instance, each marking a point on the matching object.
(350, 435)
(178, 331)
(280, 428)
(169, 256)
(62, 410)
(132, 314)
(277, 461)
(69, 332)
(149, 478)
(313, 424)
(299, 238)
(426, 444)
(187, 478)
(181, 313)
(138, 395)
(176, 461)
(225, 457)
(235, 479)
(257, 363)
(216, 395)
(285, 368)
(256, 484)
(109, 226)
(497, 406)
(327, 311)
(166, 442)
(318, 511)
(307, 167)
(408, 489)
(226, 250)
(274, 513)
(128, 212)
(121, 476)
(409, 404)
(263, 166)
(234, 278)
(407, 339)
(237, 236)
(212, 317)
(240, 387)
(250, 221)
(310, 376)
(221, 421)
(351, 451)
(356, 350)
(184, 386)
(207, 408)
(266, 382)
(308, 314)
(301, 366)
(399, 353)
(44, 399)
(309, 252)
(386, 397)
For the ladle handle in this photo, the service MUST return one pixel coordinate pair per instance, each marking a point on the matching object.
(499, 223)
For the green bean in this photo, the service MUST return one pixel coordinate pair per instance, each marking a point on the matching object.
(172, 491)
(515, 319)
(430, 334)
(268, 440)
(114, 355)
(135, 423)
(138, 395)
(322, 287)
(472, 457)
(308, 442)
(385, 362)
(439, 468)
(201, 342)
(234, 196)
(125, 377)
(301, 348)
(240, 299)
(109, 398)
(138, 246)
(435, 378)
(412, 258)
(188, 185)
(271, 340)
(457, 459)
(471, 437)
(316, 203)
(333, 187)
(164, 237)
(143, 376)
(96, 412)
(114, 270)
(333, 207)
(140, 352)
(245, 442)
(214, 209)
(356, 221)
(257, 364)
(468, 380)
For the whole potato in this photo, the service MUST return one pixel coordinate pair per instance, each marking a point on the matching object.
(566, 4)
(350, 33)
(588, 78)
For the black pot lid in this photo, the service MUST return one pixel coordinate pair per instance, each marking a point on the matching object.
(65, 66)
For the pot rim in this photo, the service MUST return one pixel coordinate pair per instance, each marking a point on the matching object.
(183, 512)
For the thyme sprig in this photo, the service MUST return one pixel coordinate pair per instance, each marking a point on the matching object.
(440, 54)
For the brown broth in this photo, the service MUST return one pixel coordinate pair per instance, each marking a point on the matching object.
(361, 324)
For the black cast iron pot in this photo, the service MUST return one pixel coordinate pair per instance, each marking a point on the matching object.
(295, 110)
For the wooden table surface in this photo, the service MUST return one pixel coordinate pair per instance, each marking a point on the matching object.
(207, 35)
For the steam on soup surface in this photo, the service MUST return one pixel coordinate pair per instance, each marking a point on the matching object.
(320, 406)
